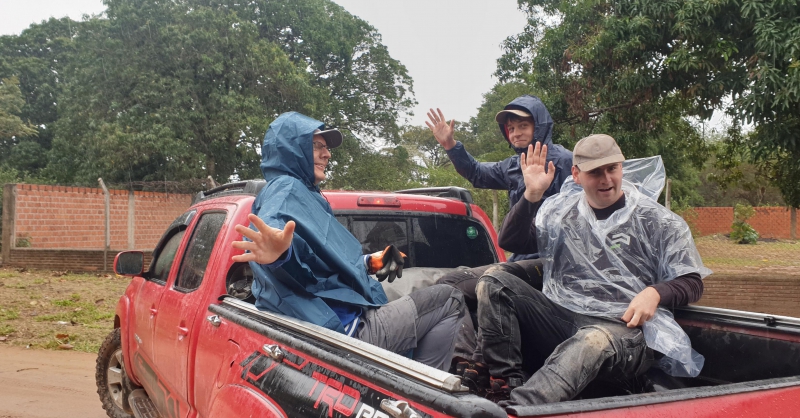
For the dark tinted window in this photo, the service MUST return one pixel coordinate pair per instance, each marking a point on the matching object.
(433, 241)
(376, 235)
(162, 265)
(198, 251)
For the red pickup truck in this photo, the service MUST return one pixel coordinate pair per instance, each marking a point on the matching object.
(188, 342)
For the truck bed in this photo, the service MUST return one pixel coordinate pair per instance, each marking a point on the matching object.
(752, 363)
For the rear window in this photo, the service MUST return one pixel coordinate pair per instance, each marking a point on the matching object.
(429, 240)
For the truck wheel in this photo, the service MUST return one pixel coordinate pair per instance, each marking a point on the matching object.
(112, 384)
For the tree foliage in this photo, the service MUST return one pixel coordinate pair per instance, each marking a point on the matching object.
(37, 58)
(175, 90)
(623, 62)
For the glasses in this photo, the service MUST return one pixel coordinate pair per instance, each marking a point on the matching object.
(319, 146)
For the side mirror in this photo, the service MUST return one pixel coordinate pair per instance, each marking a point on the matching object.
(129, 263)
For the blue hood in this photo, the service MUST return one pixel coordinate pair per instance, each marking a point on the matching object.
(288, 148)
(325, 266)
(542, 122)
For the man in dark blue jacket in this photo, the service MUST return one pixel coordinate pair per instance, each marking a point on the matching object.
(522, 122)
(308, 266)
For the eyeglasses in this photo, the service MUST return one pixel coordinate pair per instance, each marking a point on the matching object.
(319, 146)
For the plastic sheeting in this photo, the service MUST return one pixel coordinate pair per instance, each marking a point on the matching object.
(596, 267)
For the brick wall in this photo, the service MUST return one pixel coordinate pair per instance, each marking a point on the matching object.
(713, 220)
(75, 260)
(40, 217)
(772, 222)
(772, 294)
(769, 222)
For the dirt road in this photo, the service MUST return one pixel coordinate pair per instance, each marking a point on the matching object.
(43, 383)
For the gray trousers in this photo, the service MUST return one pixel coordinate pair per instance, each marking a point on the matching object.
(425, 321)
(522, 331)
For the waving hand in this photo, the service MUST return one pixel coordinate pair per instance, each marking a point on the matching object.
(537, 179)
(442, 131)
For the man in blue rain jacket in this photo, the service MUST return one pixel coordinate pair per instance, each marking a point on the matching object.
(523, 122)
(308, 266)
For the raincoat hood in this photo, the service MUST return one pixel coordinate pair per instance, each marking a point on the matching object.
(288, 148)
(542, 122)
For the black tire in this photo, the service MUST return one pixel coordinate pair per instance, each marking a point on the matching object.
(113, 386)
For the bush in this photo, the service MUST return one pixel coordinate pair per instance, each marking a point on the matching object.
(741, 231)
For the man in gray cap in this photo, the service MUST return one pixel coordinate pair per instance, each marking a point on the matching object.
(613, 259)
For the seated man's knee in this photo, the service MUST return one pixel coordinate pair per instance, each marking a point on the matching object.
(456, 277)
(595, 345)
(436, 296)
(501, 278)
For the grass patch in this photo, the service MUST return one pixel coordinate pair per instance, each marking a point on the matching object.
(81, 313)
(8, 314)
(40, 305)
(724, 255)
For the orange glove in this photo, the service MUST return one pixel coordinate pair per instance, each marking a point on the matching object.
(386, 263)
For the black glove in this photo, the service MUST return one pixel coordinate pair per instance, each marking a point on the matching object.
(387, 264)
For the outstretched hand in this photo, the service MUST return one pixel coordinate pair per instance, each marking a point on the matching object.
(441, 130)
(536, 178)
(266, 243)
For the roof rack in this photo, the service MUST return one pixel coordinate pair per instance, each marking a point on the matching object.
(450, 192)
(250, 187)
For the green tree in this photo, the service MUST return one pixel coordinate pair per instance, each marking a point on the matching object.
(170, 90)
(166, 90)
(629, 59)
(37, 58)
(11, 102)
(368, 90)
(357, 166)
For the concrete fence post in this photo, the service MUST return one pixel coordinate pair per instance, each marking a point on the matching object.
(107, 223)
(131, 220)
(9, 209)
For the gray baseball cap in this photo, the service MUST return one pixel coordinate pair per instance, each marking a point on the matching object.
(332, 137)
(595, 151)
(503, 115)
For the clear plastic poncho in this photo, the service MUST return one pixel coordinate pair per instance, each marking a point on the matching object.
(596, 268)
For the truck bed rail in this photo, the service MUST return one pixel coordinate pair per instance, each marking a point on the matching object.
(394, 362)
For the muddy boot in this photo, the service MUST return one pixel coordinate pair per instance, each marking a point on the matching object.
(476, 379)
(500, 389)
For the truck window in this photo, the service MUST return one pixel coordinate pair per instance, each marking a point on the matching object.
(163, 263)
(450, 242)
(198, 251)
(375, 235)
(433, 241)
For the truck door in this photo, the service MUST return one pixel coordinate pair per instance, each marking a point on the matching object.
(155, 280)
(181, 303)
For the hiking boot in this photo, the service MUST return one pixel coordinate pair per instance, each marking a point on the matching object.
(476, 379)
(462, 366)
(500, 389)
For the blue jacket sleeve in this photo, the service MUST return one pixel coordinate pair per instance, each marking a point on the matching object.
(481, 175)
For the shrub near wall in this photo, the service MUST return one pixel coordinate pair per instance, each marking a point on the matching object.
(769, 222)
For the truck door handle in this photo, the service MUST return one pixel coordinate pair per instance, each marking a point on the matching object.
(153, 311)
(183, 331)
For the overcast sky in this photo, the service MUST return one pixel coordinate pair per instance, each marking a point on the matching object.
(449, 47)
